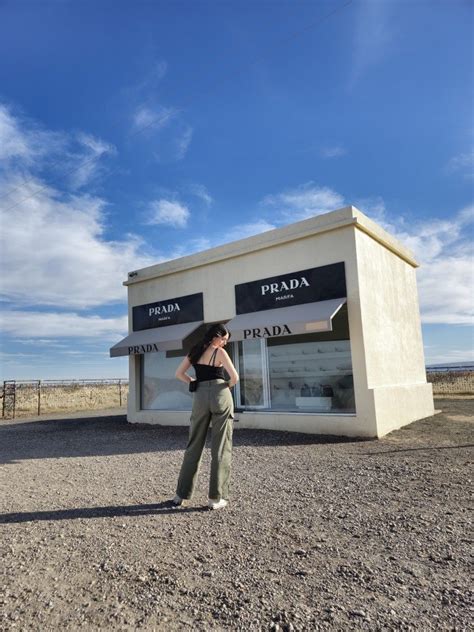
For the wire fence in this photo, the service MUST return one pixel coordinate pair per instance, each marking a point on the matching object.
(20, 398)
(449, 382)
(36, 397)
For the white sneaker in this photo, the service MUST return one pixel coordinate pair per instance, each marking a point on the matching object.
(217, 504)
(178, 501)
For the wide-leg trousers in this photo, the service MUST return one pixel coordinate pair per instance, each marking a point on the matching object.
(212, 402)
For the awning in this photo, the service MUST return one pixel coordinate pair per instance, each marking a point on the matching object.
(156, 339)
(297, 319)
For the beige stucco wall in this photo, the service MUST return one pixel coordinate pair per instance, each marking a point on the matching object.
(392, 337)
(382, 303)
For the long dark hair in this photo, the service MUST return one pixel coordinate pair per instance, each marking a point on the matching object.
(198, 349)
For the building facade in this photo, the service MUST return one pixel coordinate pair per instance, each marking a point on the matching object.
(326, 332)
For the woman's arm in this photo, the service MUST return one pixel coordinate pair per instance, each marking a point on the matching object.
(228, 366)
(181, 371)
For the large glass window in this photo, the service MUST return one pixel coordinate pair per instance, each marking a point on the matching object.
(160, 389)
(305, 373)
(252, 389)
(311, 375)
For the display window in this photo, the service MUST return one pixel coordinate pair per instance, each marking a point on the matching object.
(304, 373)
(304, 376)
(160, 390)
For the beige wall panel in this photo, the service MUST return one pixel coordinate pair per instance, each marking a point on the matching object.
(343, 425)
(397, 406)
(390, 316)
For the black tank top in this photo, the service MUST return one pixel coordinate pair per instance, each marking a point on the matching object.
(206, 372)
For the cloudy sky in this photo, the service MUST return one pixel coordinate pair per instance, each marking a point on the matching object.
(133, 133)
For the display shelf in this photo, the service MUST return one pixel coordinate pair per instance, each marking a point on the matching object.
(314, 356)
(326, 374)
(315, 403)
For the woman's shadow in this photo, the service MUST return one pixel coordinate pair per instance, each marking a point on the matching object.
(165, 507)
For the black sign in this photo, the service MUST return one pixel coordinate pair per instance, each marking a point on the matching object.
(174, 311)
(296, 288)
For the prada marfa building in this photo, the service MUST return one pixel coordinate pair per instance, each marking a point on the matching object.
(325, 324)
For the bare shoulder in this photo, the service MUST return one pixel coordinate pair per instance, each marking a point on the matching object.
(222, 354)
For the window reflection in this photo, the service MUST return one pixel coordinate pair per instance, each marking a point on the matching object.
(311, 376)
(251, 386)
(160, 389)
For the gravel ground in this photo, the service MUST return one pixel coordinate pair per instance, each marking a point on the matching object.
(321, 533)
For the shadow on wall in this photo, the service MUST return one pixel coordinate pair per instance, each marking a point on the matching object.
(113, 435)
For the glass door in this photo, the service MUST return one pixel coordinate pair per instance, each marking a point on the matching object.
(252, 390)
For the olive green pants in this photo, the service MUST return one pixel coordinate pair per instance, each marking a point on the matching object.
(212, 402)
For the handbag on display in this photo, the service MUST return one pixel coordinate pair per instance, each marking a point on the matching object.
(326, 390)
(305, 391)
(193, 386)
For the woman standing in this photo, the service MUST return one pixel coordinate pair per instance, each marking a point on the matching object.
(212, 401)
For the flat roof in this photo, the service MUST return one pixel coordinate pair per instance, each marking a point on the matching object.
(347, 216)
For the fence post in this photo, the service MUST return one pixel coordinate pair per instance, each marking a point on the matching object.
(120, 393)
(39, 398)
(9, 398)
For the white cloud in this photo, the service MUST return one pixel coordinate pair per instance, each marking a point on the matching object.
(161, 125)
(174, 138)
(445, 287)
(44, 325)
(85, 164)
(442, 355)
(304, 201)
(233, 233)
(333, 151)
(192, 246)
(372, 36)
(13, 142)
(200, 191)
(248, 230)
(22, 140)
(54, 251)
(169, 213)
(374, 207)
(152, 119)
(147, 80)
(95, 145)
(52, 244)
(463, 164)
(182, 142)
(40, 342)
(26, 149)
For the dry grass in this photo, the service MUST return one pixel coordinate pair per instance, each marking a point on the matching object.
(452, 382)
(76, 396)
(56, 398)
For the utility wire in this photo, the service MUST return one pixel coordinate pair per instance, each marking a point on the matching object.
(162, 119)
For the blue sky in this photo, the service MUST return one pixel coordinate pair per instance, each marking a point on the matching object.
(136, 132)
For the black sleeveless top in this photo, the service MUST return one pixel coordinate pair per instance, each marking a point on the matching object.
(206, 372)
